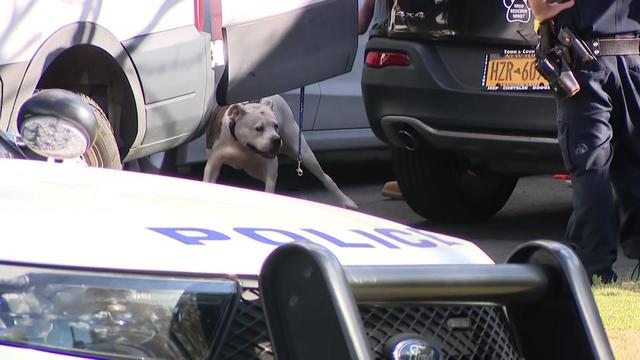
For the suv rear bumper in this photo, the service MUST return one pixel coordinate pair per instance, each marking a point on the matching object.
(438, 100)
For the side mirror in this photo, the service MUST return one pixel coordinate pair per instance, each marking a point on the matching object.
(57, 123)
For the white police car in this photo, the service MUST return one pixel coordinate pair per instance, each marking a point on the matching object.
(99, 263)
(182, 273)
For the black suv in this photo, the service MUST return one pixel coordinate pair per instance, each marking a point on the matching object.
(451, 85)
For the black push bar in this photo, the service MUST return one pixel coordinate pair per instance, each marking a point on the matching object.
(310, 300)
(509, 282)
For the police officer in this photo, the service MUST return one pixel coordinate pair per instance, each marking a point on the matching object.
(599, 129)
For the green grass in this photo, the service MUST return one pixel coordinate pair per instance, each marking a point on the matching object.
(619, 306)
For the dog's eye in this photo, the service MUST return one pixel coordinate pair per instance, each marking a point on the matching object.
(259, 128)
(275, 126)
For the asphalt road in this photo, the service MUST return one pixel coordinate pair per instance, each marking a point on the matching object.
(538, 208)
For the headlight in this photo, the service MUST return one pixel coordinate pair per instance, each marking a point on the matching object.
(113, 315)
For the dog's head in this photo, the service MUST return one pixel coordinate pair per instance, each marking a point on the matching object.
(256, 127)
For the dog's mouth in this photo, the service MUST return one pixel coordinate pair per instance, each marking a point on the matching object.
(264, 154)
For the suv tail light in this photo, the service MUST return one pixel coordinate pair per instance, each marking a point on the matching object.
(380, 59)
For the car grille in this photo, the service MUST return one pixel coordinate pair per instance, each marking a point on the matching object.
(486, 334)
(247, 338)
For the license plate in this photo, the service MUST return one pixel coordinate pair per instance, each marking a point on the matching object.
(512, 70)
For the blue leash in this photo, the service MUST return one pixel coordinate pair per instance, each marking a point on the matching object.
(300, 118)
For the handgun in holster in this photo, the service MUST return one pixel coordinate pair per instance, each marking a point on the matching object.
(555, 57)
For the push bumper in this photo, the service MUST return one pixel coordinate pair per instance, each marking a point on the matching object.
(543, 290)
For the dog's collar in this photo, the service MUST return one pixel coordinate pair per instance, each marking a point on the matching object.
(232, 129)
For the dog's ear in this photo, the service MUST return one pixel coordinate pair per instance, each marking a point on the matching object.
(236, 111)
(267, 102)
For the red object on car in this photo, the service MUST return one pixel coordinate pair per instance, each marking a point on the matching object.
(198, 14)
(380, 59)
(562, 177)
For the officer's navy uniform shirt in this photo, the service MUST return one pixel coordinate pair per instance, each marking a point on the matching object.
(601, 18)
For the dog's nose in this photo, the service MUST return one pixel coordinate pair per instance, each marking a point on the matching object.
(276, 143)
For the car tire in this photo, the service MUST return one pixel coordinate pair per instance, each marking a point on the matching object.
(104, 151)
(441, 186)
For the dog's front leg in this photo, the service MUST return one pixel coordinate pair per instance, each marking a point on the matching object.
(212, 168)
(271, 176)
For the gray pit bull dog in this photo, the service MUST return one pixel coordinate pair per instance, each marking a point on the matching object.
(250, 136)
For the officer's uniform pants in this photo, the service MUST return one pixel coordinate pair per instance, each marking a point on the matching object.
(599, 134)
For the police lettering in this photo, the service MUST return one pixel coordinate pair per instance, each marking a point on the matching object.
(191, 236)
(337, 242)
(382, 237)
(261, 235)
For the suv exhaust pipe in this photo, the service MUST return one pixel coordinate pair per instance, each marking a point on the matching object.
(402, 132)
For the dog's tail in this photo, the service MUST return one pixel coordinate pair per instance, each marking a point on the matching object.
(215, 125)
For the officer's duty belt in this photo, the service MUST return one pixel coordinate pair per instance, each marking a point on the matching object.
(614, 46)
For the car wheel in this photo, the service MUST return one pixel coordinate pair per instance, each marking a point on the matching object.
(442, 186)
(104, 151)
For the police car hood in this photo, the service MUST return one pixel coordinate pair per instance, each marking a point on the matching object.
(62, 215)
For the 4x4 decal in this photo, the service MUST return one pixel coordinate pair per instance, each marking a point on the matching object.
(518, 11)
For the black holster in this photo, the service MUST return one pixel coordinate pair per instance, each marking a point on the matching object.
(554, 59)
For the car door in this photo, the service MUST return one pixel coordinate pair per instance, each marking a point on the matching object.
(273, 46)
(341, 106)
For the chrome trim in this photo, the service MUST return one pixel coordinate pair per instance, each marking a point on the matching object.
(450, 283)
(390, 124)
